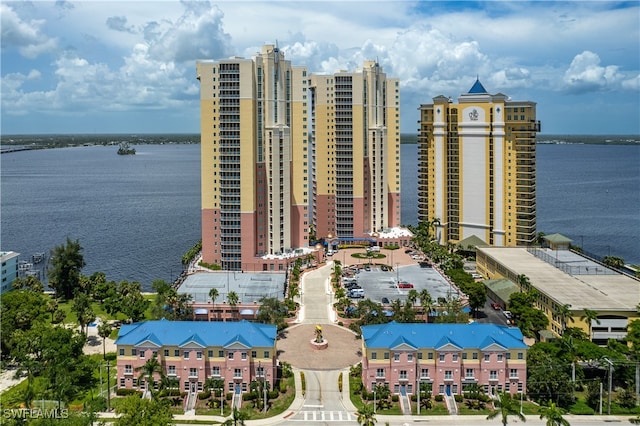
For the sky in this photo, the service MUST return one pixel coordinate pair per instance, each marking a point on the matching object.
(129, 66)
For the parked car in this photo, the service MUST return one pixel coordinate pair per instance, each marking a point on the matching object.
(385, 301)
(507, 314)
(356, 293)
(496, 306)
(384, 268)
(404, 284)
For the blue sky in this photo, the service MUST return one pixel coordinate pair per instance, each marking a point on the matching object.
(129, 66)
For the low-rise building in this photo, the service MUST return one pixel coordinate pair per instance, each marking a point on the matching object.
(193, 351)
(564, 278)
(448, 356)
(9, 261)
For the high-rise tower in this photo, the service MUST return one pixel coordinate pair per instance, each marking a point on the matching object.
(477, 168)
(255, 184)
(355, 142)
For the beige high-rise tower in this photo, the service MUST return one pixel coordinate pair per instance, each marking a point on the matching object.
(355, 143)
(254, 160)
(477, 169)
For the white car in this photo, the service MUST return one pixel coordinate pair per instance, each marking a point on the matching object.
(507, 314)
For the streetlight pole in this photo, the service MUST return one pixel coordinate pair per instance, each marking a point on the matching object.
(221, 402)
(610, 383)
(374, 400)
(108, 387)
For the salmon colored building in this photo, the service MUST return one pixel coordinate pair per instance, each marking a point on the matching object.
(255, 160)
(355, 144)
(447, 356)
(193, 351)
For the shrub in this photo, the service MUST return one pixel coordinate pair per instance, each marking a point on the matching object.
(458, 398)
(168, 392)
(204, 395)
(340, 323)
(283, 386)
(438, 398)
(249, 396)
(127, 392)
(273, 394)
(228, 396)
(340, 382)
(395, 398)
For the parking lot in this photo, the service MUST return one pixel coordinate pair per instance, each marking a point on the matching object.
(378, 284)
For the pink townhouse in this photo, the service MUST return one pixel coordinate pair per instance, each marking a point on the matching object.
(193, 351)
(450, 357)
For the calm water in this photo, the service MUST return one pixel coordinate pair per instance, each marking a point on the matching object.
(137, 215)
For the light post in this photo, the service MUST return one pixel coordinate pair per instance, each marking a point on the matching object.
(264, 385)
(419, 391)
(221, 402)
(374, 400)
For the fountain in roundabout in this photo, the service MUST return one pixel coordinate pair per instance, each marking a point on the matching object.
(319, 342)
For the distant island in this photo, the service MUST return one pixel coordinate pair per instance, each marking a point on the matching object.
(125, 149)
(12, 143)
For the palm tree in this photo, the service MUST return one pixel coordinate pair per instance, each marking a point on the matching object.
(427, 303)
(588, 317)
(506, 406)
(148, 370)
(233, 298)
(412, 296)
(553, 414)
(104, 331)
(237, 419)
(213, 293)
(564, 313)
(366, 416)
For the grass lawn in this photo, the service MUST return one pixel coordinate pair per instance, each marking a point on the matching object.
(70, 316)
(437, 409)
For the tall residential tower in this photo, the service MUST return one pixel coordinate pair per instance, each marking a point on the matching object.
(254, 160)
(477, 168)
(355, 142)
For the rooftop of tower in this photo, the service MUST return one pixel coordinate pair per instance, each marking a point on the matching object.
(477, 87)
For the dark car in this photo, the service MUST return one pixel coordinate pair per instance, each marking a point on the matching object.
(384, 268)
(385, 301)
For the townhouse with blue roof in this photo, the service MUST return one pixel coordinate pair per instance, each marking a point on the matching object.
(192, 351)
(448, 356)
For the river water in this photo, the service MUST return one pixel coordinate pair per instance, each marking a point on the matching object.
(135, 216)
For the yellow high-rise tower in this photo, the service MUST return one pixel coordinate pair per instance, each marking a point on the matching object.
(477, 168)
(355, 143)
(254, 160)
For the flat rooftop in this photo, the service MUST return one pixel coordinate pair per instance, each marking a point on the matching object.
(249, 286)
(576, 280)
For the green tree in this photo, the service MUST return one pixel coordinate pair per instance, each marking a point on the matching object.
(477, 294)
(30, 283)
(505, 407)
(65, 267)
(128, 300)
(553, 415)
(104, 331)
(589, 317)
(147, 372)
(272, 311)
(613, 261)
(21, 310)
(213, 294)
(366, 416)
(136, 411)
(237, 418)
(233, 299)
(564, 313)
(83, 310)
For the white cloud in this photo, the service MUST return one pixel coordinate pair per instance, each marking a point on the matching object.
(22, 35)
(586, 75)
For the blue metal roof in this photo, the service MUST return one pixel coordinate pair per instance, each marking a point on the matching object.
(477, 87)
(421, 335)
(178, 333)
